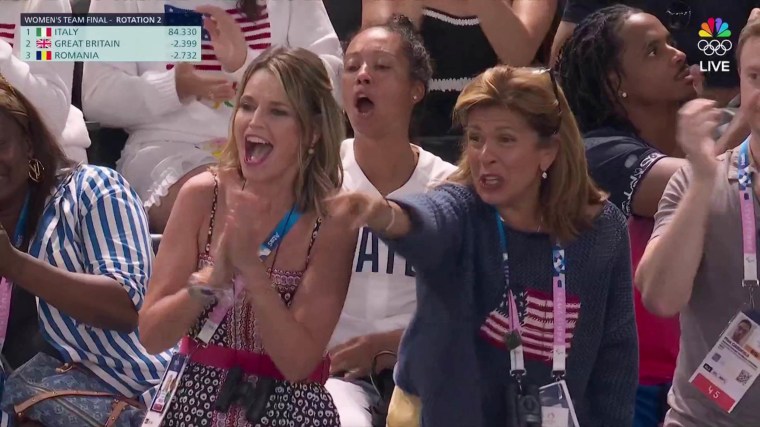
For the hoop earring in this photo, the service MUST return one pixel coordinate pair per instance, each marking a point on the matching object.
(35, 170)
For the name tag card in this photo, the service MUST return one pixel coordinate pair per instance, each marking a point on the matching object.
(557, 408)
(169, 384)
(733, 364)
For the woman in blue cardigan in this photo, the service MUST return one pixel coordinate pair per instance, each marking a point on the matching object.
(520, 230)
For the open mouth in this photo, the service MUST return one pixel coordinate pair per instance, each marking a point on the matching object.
(256, 150)
(489, 181)
(364, 105)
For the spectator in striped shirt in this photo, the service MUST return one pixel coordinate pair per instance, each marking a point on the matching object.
(75, 257)
(177, 114)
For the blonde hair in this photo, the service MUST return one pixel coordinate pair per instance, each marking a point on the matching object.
(307, 85)
(568, 191)
(750, 31)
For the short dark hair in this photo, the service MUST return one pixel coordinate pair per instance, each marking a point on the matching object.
(586, 59)
(420, 67)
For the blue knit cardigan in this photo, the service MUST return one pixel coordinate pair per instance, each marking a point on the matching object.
(458, 375)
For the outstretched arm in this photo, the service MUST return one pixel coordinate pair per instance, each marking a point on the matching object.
(423, 228)
(515, 28)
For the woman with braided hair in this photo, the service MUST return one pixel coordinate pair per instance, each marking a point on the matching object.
(625, 81)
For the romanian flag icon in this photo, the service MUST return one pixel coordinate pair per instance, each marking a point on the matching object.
(44, 32)
(44, 55)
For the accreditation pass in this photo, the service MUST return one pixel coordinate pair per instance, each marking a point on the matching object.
(732, 365)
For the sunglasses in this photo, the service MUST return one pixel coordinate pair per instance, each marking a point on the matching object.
(678, 15)
(555, 89)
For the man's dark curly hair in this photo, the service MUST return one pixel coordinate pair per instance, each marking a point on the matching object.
(586, 61)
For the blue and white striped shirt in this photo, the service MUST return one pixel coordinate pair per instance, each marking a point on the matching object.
(94, 223)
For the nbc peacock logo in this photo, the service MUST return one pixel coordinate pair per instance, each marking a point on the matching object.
(714, 36)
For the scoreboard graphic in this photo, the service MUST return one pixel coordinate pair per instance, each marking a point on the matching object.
(167, 37)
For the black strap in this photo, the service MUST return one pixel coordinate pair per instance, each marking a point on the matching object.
(383, 384)
(207, 250)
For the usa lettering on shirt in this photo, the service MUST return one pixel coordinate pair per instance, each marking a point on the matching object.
(368, 256)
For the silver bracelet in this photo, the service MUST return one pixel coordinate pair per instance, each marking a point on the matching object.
(393, 217)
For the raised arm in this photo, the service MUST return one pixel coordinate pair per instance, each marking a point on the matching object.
(376, 12)
(126, 94)
(515, 28)
(575, 11)
(308, 27)
(669, 265)
(46, 84)
(612, 389)
(666, 273)
(116, 258)
(169, 311)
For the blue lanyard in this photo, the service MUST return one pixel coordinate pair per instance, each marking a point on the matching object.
(279, 232)
(559, 285)
(742, 170)
(18, 236)
(558, 254)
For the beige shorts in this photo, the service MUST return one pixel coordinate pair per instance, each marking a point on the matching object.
(404, 410)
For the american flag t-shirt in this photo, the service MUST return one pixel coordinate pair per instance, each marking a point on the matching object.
(257, 35)
(537, 323)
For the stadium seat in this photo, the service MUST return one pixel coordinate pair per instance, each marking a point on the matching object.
(106, 145)
(156, 241)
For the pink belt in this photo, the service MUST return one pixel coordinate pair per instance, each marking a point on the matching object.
(217, 356)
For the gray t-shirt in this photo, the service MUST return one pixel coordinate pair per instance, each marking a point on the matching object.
(717, 296)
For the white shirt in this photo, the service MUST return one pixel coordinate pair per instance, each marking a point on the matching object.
(47, 85)
(141, 97)
(381, 296)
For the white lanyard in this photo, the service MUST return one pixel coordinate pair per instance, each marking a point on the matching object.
(749, 231)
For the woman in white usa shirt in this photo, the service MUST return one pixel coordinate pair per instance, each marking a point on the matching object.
(385, 75)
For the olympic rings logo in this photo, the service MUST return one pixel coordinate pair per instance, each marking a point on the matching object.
(714, 47)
